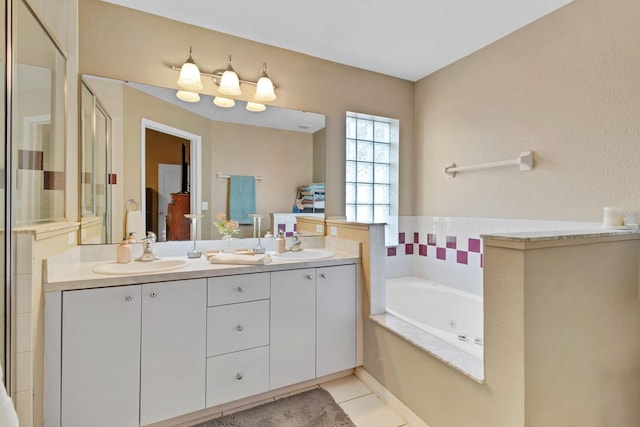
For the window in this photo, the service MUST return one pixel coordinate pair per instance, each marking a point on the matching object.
(372, 171)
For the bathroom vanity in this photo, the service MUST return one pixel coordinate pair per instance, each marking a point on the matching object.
(136, 350)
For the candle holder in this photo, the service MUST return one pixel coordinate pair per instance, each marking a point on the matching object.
(194, 218)
(257, 221)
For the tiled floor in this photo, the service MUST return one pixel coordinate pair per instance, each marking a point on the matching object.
(363, 407)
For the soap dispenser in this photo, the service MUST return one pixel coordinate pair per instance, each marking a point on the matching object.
(123, 254)
(280, 248)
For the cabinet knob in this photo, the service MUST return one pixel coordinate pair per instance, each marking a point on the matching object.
(129, 297)
(240, 328)
(310, 277)
(240, 289)
(239, 376)
(153, 294)
(323, 275)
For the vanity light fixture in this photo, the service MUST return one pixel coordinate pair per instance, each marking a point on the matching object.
(255, 107)
(188, 96)
(228, 83)
(264, 87)
(190, 75)
(224, 102)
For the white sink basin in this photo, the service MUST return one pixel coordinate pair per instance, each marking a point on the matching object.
(138, 267)
(303, 255)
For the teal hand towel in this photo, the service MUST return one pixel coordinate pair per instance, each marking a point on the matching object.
(242, 198)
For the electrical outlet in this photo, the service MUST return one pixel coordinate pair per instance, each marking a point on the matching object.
(205, 206)
(333, 231)
(71, 238)
(319, 228)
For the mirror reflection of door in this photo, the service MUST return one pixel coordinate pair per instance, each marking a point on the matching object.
(167, 185)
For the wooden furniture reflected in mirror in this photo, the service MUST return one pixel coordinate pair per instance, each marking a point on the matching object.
(178, 227)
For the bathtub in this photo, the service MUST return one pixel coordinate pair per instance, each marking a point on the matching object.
(451, 315)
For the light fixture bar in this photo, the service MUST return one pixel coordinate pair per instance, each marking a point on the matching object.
(217, 75)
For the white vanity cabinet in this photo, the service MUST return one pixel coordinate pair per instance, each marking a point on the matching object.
(133, 355)
(313, 323)
(101, 357)
(336, 312)
(237, 337)
(172, 362)
(293, 327)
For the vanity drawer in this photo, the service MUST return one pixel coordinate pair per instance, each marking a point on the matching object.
(238, 288)
(236, 375)
(236, 327)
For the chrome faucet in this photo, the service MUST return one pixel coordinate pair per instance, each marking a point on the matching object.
(296, 246)
(147, 248)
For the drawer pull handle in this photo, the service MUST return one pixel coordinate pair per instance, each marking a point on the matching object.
(239, 376)
(310, 277)
(240, 289)
(154, 294)
(129, 297)
(240, 328)
(324, 276)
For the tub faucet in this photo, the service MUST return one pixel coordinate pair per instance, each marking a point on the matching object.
(147, 248)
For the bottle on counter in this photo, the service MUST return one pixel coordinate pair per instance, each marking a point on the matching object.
(280, 247)
(123, 252)
(131, 237)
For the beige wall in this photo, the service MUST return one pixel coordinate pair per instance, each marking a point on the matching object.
(567, 87)
(115, 42)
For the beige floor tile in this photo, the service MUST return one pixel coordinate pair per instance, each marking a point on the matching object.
(346, 388)
(370, 411)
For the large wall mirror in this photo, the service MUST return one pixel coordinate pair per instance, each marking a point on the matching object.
(147, 158)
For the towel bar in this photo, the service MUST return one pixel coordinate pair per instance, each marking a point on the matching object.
(525, 161)
(222, 176)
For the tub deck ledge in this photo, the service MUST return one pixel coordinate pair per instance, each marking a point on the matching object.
(452, 356)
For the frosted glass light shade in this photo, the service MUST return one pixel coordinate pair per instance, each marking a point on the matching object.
(187, 96)
(224, 102)
(264, 90)
(255, 107)
(229, 83)
(190, 77)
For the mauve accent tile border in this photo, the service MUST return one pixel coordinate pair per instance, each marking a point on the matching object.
(400, 237)
(416, 237)
(31, 160)
(422, 250)
(282, 227)
(408, 249)
(431, 239)
(55, 181)
(391, 251)
(452, 242)
(441, 253)
(462, 257)
(474, 245)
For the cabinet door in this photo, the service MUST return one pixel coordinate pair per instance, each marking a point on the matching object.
(293, 326)
(174, 347)
(336, 319)
(101, 357)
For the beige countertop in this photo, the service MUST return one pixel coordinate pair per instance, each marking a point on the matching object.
(558, 237)
(81, 275)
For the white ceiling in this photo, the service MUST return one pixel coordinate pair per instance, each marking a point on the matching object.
(408, 39)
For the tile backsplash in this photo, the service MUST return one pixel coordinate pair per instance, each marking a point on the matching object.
(448, 250)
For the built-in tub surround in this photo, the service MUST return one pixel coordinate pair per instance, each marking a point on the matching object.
(556, 303)
(448, 250)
